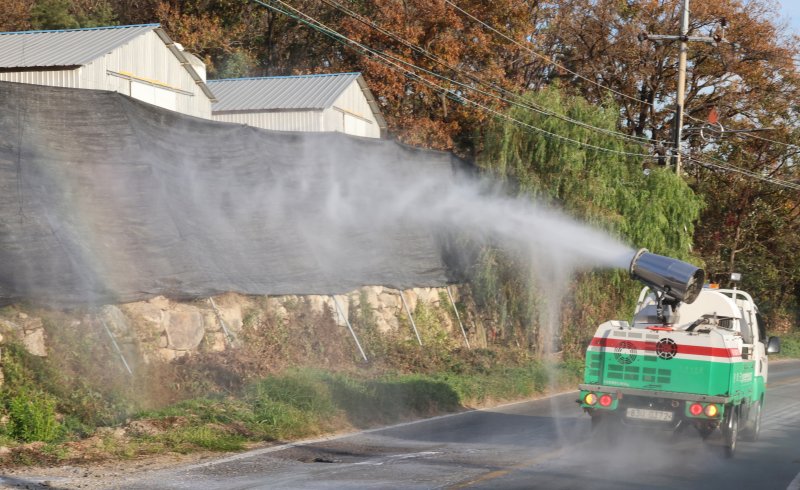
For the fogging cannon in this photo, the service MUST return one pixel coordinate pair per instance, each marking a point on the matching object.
(672, 280)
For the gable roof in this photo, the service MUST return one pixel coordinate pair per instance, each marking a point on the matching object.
(69, 48)
(271, 93)
(299, 92)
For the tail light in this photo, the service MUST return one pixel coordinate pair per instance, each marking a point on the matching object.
(696, 409)
(605, 400)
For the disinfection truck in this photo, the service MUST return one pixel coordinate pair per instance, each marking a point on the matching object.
(693, 356)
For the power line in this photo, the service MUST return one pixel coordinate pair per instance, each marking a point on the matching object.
(757, 137)
(748, 173)
(743, 134)
(544, 56)
(319, 26)
(518, 100)
(594, 82)
(392, 62)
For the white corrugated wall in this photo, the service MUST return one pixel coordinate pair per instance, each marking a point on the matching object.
(54, 78)
(147, 59)
(276, 120)
(352, 114)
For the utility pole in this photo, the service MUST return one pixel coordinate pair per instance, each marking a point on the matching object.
(677, 127)
(680, 99)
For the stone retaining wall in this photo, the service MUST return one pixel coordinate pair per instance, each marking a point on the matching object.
(175, 329)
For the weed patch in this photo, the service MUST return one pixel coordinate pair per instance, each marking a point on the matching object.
(790, 346)
(32, 417)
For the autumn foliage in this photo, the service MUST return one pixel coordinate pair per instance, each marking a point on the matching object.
(444, 70)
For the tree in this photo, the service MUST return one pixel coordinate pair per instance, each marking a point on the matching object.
(15, 15)
(748, 225)
(53, 14)
(653, 209)
(93, 13)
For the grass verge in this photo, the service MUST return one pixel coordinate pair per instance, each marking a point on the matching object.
(295, 404)
(790, 346)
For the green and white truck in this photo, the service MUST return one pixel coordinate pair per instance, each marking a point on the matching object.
(692, 356)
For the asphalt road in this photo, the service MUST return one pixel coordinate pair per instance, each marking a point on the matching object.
(538, 444)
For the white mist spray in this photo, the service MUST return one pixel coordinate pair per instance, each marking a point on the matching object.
(167, 204)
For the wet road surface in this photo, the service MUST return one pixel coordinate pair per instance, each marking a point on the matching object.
(538, 444)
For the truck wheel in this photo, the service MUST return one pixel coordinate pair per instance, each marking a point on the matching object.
(754, 424)
(731, 431)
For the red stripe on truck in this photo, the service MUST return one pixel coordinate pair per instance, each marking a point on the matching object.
(695, 350)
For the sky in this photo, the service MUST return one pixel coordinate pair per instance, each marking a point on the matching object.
(791, 9)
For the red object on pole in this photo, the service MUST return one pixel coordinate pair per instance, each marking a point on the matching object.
(713, 116)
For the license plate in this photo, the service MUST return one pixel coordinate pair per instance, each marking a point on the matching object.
(644, 414)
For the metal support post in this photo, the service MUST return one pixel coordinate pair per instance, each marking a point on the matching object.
(410, 317)
(347, 320)
(116, 346)
(221, 321)
(458, 317)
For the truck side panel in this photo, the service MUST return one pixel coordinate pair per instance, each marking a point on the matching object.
(685, 368)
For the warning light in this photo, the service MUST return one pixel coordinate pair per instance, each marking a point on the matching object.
(711, 410)
(590, 399)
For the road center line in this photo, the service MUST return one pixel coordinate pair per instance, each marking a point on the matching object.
(501, 473)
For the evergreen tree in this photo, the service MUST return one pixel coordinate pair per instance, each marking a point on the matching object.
(53, 14)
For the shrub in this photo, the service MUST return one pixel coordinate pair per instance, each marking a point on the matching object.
(32, 417)
(790, 346)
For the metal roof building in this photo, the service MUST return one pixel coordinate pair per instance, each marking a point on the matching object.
(332, 102)
(140, 60)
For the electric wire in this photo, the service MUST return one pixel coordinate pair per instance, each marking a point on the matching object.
(757, 137)
(393, 63)
(320, 27)
(718, 163)
(517, 101)
(748, 173)
(594, 82)
(544, 56)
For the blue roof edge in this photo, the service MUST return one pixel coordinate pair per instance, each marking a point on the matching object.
(316, 75)
(78, 29)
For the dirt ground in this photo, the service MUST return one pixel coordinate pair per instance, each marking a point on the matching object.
(96, 475)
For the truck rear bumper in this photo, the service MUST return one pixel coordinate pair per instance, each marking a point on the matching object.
(672, 395)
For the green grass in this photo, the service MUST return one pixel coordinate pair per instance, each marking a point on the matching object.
(296, 403)
(306, 402)
(188, 439)
(790, 346)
